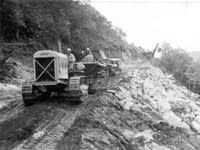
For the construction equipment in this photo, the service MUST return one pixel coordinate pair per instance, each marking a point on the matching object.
(151, 54)
(113, 65)
(51, 75)
(95, 73)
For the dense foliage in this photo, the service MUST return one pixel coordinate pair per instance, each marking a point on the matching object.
(178, 62)
(30, 25)
(46, 22)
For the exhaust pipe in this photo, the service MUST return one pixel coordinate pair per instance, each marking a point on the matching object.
(59, 44)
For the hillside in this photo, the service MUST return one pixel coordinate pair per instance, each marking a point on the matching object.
(29, 26)
(141, 108)
(42, 24)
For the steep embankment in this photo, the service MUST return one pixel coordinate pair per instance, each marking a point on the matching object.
(144, 109)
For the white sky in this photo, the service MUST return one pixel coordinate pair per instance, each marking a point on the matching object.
(147, 22)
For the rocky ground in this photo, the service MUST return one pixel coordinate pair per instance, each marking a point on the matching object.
(143, 109)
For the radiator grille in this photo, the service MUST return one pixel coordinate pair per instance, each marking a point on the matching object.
(44, 69)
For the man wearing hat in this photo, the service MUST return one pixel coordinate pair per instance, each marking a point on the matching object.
(71, 59)
(88, 56)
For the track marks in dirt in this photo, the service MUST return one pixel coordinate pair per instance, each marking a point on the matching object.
(19, 127)
(47, 135)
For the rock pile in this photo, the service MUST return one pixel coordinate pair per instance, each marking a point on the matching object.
(149, 88)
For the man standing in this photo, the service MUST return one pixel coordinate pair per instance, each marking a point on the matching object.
(71, 59)
(88, 56)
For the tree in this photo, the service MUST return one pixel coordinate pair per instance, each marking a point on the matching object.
(193, 76)
(47, 22)
(1, 7)
(176, 61)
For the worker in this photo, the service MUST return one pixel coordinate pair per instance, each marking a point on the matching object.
(88, 56)
(71, 59)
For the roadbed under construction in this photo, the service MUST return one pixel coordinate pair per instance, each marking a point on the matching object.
(143, 109)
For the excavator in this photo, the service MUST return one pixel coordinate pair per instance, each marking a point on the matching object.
(52, 75)
(151, 54)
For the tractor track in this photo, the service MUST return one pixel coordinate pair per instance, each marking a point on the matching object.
(38, 127)
(50, 132)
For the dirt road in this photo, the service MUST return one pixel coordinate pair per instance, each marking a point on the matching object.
(41, 126)
(37, 127)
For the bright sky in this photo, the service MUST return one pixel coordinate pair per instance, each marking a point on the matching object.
(147, 22)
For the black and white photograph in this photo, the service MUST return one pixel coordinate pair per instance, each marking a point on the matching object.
(99, 74)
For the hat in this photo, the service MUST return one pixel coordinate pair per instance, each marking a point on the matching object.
(87, 49)
(69, 49)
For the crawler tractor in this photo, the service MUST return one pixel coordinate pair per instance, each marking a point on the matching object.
(52, 77)
(113, 65)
